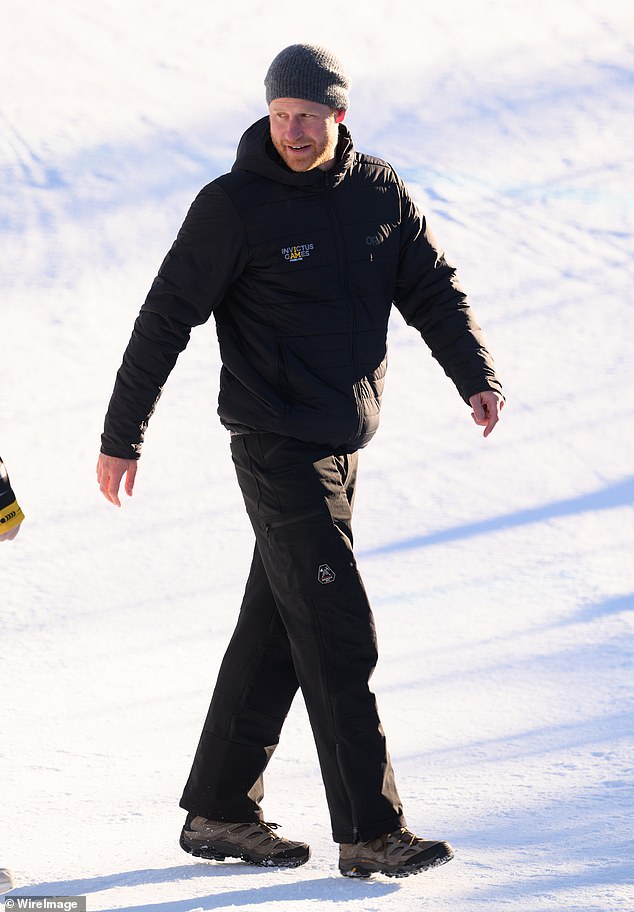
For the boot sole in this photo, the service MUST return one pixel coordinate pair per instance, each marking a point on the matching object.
(219, 851)
(366, 870)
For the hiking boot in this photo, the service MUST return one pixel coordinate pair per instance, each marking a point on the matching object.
(396, 854)
(254, 842)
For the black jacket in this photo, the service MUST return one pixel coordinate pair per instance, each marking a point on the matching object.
(301, 271)
(7, 497)
(11, 514)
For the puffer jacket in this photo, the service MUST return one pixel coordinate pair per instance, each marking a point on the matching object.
(300, 271)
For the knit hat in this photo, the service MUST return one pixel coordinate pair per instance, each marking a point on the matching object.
(307, 71)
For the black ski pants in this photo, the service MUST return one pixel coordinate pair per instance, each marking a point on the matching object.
(305, 622)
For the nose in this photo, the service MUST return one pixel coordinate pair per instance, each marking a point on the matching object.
(294, 129)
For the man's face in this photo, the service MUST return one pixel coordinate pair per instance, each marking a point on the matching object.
(304, 133)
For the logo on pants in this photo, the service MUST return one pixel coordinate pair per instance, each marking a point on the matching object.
(325, 574)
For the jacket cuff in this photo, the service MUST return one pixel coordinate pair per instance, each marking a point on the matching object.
(10, 517)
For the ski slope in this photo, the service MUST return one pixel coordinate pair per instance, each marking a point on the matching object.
(500, 570)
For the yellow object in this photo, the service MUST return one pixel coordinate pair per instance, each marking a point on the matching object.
(10, 517)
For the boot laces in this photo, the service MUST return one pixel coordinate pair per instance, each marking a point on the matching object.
(408, 836)
(401, 835)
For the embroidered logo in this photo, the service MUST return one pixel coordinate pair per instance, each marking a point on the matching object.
(325, 574)
(297, 252)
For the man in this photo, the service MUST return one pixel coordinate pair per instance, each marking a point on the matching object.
(299, 253)
(11, 515)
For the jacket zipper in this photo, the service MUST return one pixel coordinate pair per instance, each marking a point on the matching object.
(341, 254)
(282, 374)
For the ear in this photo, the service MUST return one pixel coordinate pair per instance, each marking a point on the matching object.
(340, 113)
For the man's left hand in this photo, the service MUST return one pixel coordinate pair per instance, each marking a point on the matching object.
(486, 409)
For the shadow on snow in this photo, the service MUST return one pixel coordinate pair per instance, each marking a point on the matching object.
(324, 889)
(616, 495)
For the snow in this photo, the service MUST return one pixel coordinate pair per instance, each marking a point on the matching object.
(500, 570)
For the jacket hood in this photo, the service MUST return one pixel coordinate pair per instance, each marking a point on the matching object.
(256, 153)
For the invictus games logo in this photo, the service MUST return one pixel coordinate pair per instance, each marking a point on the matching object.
(325, 574)
(297, 252)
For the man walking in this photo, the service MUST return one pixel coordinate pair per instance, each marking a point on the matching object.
(11, 515)
(11, 518)
(299, 252)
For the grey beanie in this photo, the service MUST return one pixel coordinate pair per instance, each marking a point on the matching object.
(307, 71)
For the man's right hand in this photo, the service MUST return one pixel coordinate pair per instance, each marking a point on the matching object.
(110, 471)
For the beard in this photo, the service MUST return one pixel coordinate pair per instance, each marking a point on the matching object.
(311, 154)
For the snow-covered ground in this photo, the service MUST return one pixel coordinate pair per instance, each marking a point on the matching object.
(500, 570)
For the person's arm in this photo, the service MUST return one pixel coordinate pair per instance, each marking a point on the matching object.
(11, 516)
(430, 298)
(208, 254)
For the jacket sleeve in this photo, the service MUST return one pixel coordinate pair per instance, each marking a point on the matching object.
(431, 300)
(10, 513)
(208, 254)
